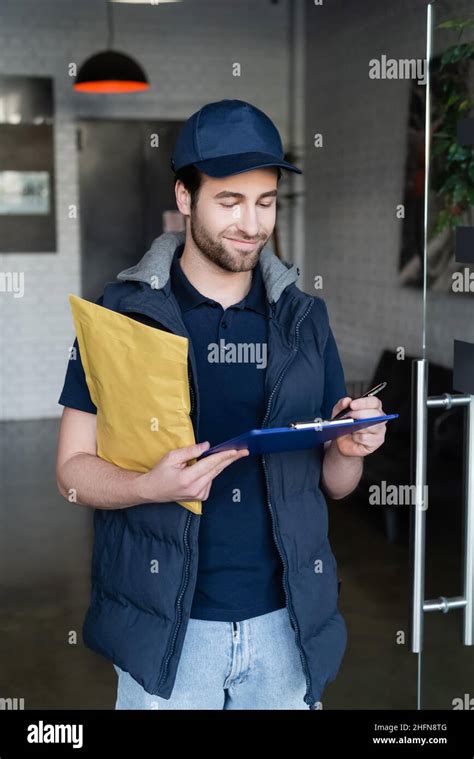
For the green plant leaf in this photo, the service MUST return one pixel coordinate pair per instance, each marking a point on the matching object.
(457, 153)
(460, 192)
(456, 53)
(448, 25)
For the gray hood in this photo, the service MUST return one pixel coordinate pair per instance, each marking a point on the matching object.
(156, 262)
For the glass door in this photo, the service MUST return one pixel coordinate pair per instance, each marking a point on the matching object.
(442, 527)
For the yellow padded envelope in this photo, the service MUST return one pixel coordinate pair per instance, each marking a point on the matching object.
(138, 379)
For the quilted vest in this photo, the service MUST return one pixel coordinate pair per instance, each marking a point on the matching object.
(137, 618)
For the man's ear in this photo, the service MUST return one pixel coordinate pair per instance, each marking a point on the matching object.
(183, 198)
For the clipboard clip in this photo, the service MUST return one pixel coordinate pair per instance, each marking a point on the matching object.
(317, 424)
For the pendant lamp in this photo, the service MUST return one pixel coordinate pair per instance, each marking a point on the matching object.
(110, 71)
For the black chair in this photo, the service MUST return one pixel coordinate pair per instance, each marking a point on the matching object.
(391, 462)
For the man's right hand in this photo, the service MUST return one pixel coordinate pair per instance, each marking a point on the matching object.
(171, 479)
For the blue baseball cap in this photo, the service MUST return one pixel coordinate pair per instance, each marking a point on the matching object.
(229, 137)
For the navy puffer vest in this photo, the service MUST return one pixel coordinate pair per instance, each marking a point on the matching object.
(138, 618)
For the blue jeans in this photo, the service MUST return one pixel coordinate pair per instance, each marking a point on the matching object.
(253, 664)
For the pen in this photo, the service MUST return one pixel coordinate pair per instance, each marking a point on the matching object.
(316, 423)
(372, 391)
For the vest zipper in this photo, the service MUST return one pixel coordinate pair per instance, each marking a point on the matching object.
(276, 535)
(191, 391)
(166, 660)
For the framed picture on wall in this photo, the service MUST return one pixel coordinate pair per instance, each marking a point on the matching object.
(27, 196)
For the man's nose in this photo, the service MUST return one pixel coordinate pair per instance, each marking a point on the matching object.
(247, 222)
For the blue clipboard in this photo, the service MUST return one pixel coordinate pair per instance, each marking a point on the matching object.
(295, 438)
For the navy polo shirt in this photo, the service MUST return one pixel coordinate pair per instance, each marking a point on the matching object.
(239, 568)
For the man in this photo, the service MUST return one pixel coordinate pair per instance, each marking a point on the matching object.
(243, 611)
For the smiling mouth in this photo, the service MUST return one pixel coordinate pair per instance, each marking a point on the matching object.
(243, 242)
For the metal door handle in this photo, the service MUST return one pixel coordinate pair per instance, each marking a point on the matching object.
(420, 405)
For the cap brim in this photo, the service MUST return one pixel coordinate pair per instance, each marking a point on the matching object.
(236, 164)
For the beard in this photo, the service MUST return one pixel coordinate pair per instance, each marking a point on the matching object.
(216, 251)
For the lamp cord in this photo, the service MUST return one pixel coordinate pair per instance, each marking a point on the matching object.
(110, 25)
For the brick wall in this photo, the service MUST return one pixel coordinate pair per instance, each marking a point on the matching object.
(188, 50)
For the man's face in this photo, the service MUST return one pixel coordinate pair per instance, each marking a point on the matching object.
(234, 217)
